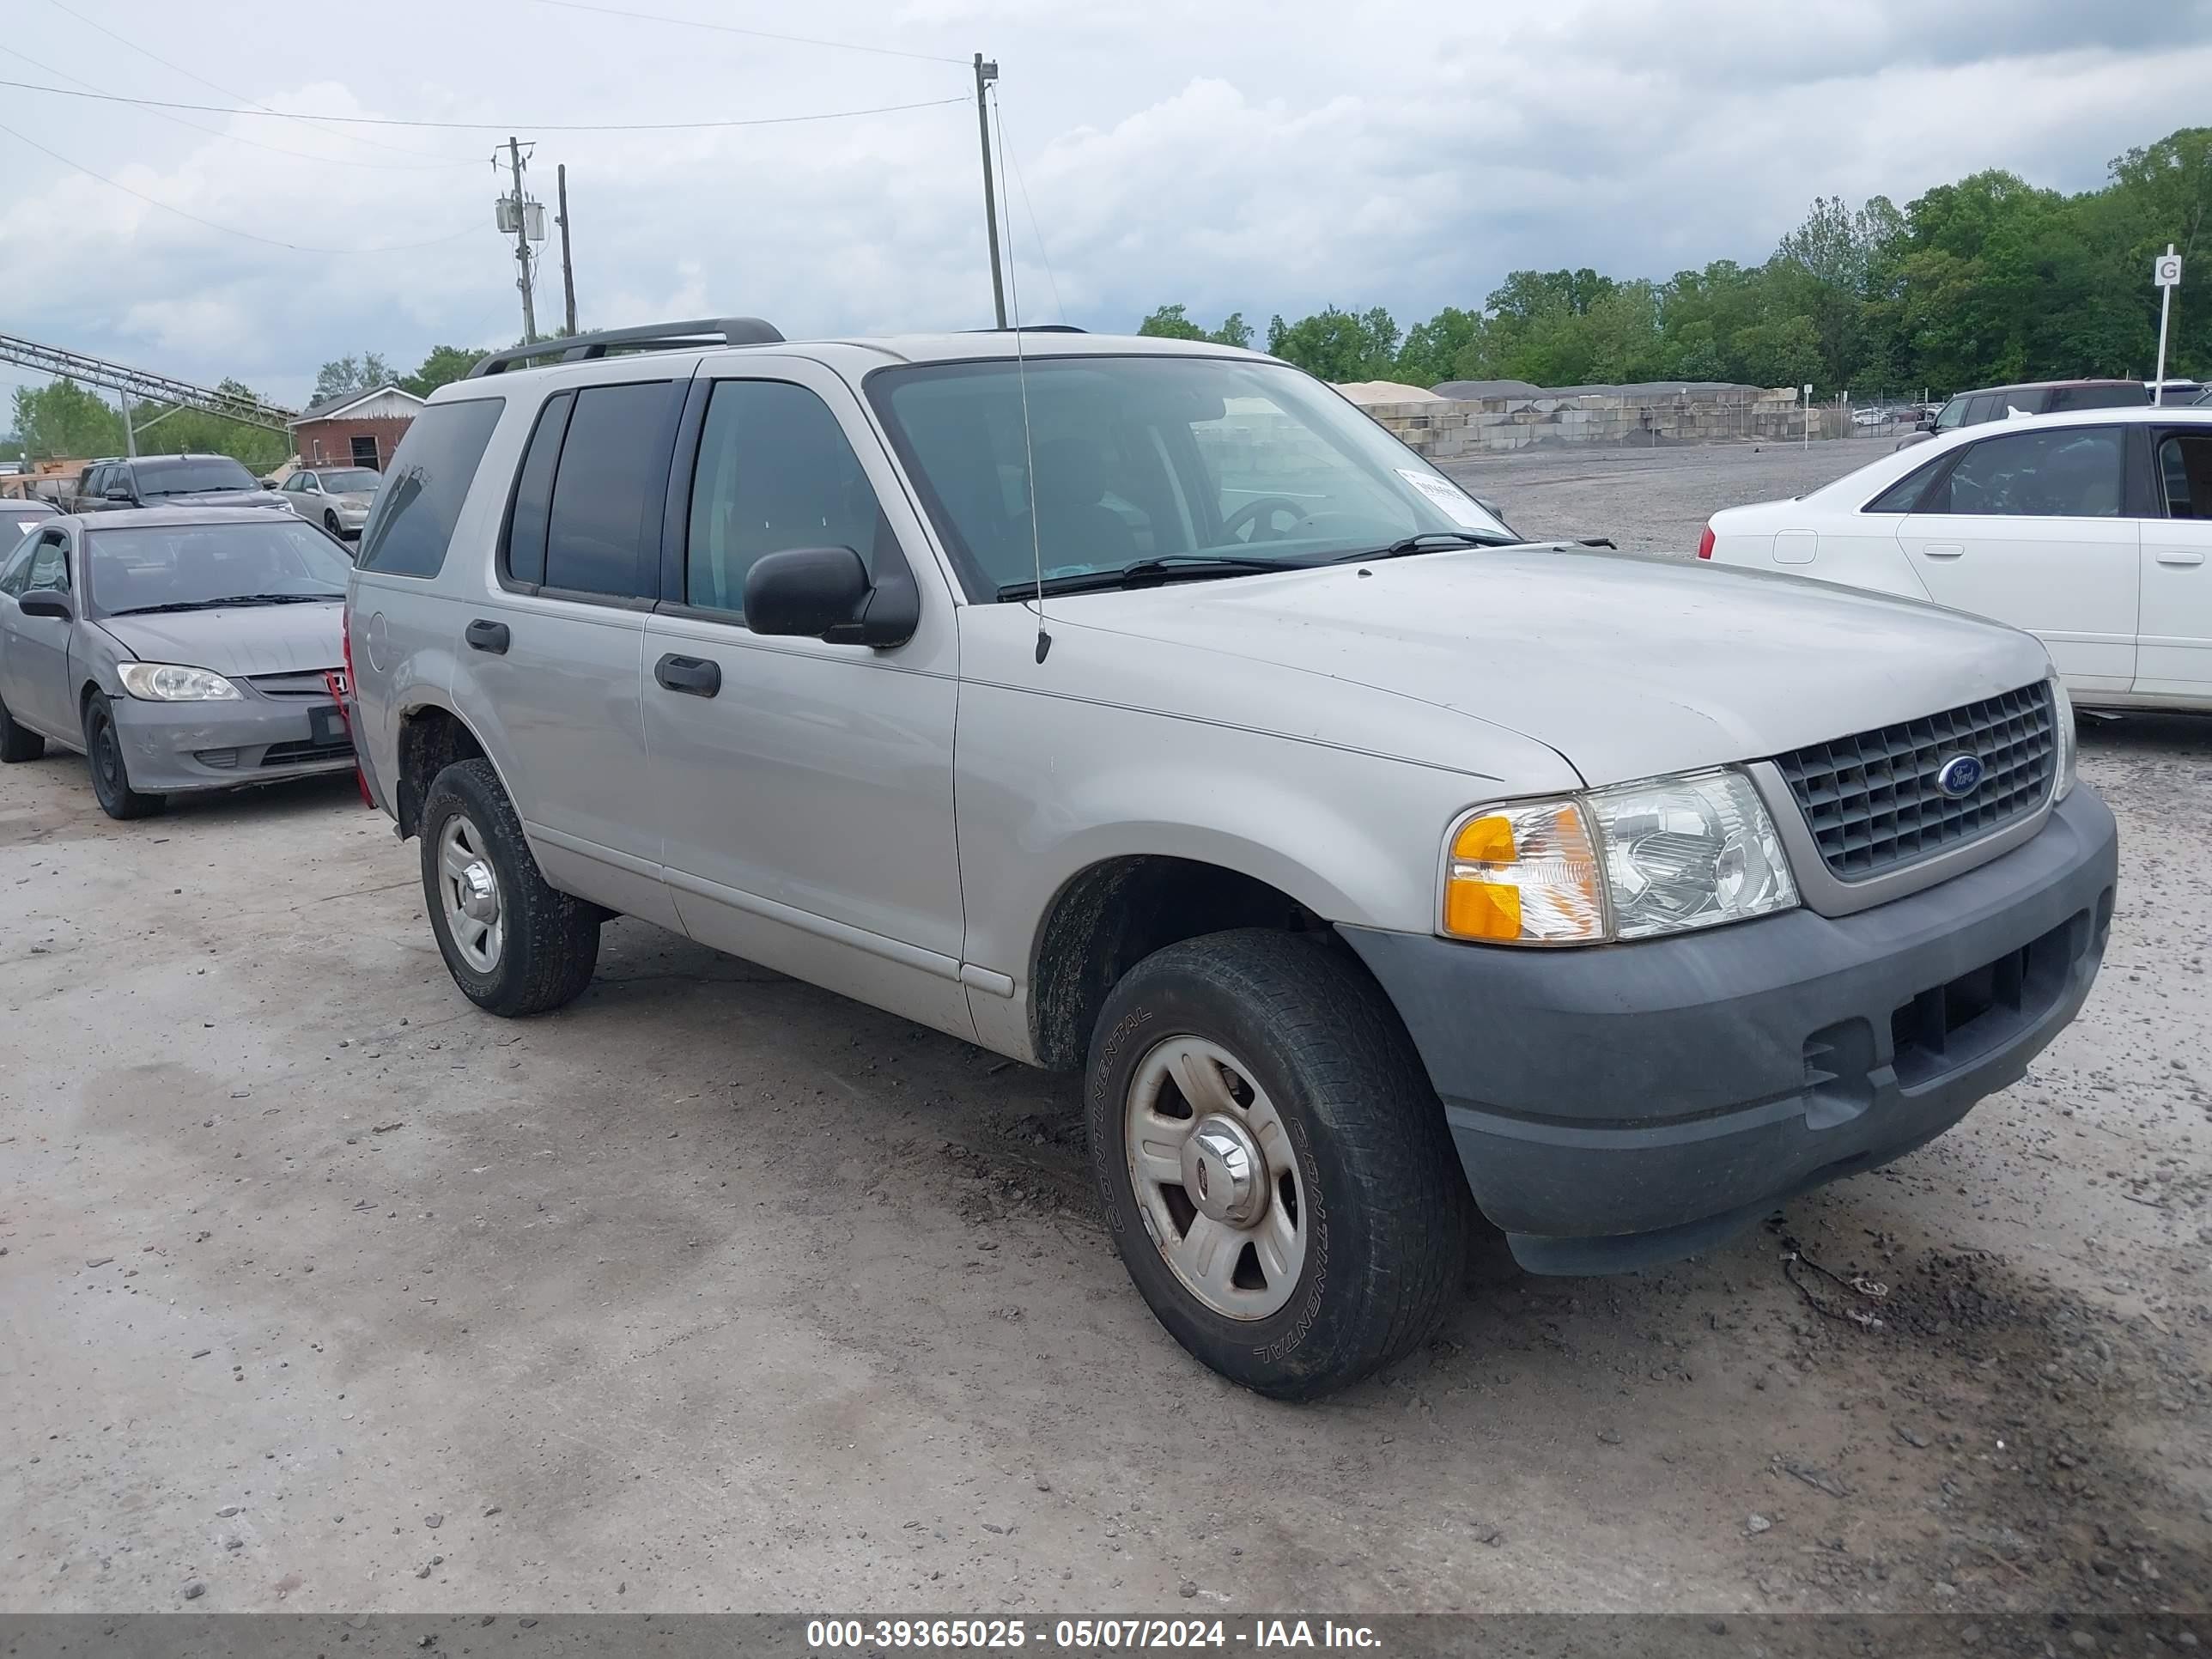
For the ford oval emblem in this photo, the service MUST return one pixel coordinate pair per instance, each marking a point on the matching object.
(1958, 776)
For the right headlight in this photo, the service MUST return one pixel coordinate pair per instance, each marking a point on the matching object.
(170, 682)
(1663, 856)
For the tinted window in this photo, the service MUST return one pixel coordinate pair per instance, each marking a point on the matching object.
(533, 492)
(1984, 406)
(775, 472)
(613, 476)
(2185, 470)
(2126, 394)
(1901, 496)
(150, 566)
(429, 477)
(2073, 473)
(192, 476)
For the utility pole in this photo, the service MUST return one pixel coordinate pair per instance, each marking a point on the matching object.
(568, 267)
(985, 74)
(129, 438)
(522, 247)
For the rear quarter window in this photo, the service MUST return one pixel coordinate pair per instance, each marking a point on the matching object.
(429, 479)
(2098, 396)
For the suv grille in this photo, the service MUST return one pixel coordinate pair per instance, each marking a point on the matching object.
(1872, 801)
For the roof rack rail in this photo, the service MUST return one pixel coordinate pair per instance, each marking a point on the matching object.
(698, 332)
(1033, 328)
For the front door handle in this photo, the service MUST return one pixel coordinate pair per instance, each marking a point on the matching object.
(693, 676)
(1942, 551)
(2180, 556)
(487, 636)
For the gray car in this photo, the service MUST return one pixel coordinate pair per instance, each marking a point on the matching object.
(180, 649)
(336, 497)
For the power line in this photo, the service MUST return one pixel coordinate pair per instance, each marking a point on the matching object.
(229, 230)
(489, 126)
(234, 138)
(189, 75)
(756, 34)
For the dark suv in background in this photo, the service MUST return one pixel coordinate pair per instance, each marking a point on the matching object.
(171, 480)
(2029, 398)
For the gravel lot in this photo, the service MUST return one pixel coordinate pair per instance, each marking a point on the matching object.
(324, 1292)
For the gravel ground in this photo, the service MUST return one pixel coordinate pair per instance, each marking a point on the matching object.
(324, 1292)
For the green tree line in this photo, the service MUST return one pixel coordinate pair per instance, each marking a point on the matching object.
(1978, 282)
(62, 420)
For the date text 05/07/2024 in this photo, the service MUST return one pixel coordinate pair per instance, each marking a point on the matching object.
(827, 1636)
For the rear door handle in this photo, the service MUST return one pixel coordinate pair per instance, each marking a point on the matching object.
(1942, 551)
(2180, 556)
(487, 636)
(693, 676)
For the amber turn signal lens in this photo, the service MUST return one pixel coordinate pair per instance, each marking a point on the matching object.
(1525, 875)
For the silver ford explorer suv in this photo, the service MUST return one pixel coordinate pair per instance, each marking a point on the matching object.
(1141, 707)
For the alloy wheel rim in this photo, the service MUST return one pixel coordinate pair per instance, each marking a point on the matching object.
(468, 888)
(1216, 1177)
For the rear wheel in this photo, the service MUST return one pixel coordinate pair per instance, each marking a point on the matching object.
(111, 777)
(514, 945)
(1273, 1161)
(18, 743)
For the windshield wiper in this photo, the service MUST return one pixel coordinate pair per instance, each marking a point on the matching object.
(1426, 541)
(1164, 568)
(234, 600)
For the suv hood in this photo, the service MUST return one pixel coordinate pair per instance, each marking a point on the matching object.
(223, 498)
(1628, 666)
(249, 640)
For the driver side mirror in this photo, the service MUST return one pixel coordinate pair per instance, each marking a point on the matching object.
(116, 494)
(47, 602)
(824, 593)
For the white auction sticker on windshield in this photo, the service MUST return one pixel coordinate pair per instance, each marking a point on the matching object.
(1450, 497)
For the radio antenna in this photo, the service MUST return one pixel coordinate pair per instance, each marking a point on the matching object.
(1022, 378)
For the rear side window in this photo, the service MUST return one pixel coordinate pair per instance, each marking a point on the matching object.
(526, 521)
(429, 479)
(1905, 493)
(608, 491)
(2184, 468)
(775, 472)
(2072, 473)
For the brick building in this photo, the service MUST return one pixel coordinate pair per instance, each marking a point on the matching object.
(361, 428)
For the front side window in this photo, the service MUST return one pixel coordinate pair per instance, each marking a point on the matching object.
(1987, 407)
(49, 565)
(431, 472)
(197, 567)
(776, 472)
(1950, 415)
(2185, 471)
(2068, 472)
(613, 477)
(1193, 459)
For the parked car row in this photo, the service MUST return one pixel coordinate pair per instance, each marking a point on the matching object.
(1375, 866)
(336, 498)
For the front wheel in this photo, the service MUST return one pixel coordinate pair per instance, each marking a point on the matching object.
(1274, 1162)
(513, 943)
(111, 777)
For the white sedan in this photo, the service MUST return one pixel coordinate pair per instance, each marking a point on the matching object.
(2091, 529)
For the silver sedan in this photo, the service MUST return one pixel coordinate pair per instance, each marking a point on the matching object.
(179, 649)
(336, 497)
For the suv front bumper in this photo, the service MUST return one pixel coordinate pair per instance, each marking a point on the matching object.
(1626, 1105)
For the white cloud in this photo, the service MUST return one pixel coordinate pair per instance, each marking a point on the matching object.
(1238, 156)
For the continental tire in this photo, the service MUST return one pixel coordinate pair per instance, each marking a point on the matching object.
(1273, 1161)
(512, 944)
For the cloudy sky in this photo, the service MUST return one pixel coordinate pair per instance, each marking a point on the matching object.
(1230, 153)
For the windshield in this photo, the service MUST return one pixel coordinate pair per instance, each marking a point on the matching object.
(193, 477)
(1156, 457)
(147, 566)
(349, 480)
